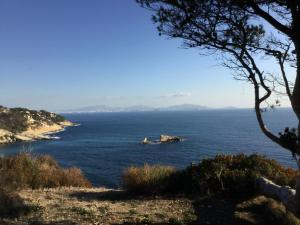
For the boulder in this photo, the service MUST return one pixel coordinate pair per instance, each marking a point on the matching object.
(284, 193)
(145, 141)
(6, 137)
(166, 138)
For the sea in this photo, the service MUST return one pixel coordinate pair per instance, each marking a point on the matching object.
(105, 144)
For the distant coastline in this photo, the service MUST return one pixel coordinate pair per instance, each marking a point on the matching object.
(139, 108)
(175, 108)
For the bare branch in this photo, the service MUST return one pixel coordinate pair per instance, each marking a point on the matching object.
(275, 23)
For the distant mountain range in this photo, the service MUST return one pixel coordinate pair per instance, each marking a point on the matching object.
(138, 108)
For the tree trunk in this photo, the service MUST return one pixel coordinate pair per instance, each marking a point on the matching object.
(296, 107)
(295, 100)
(297, 197)
(296, 92)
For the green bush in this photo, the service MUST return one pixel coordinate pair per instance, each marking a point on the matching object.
(147, 179)
(236, 173)
(41, 171)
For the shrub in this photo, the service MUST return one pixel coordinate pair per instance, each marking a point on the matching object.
(147, 179)
(28, 171)
(233, 173)
(230, 172)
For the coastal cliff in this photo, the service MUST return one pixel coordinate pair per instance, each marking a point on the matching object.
(21, 124)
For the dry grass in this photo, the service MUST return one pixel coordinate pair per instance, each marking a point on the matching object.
(28, 171)
(147, 179)
(12, 205)
(84, 206)
(262, 210)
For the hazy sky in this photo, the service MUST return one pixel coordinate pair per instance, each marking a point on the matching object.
(62, 54)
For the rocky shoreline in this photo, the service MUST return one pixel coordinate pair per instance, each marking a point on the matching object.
(42, 132)
(20, 124)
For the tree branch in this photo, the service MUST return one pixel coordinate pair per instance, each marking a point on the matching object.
(270, 19)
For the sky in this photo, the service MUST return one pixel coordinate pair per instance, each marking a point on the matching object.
(63, 54)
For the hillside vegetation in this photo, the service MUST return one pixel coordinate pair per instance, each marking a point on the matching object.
(17, 120)
(20, 124)
(233, 173)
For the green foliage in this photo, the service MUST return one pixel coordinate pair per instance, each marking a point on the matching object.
(13, 121)
(52, 117)
(27, 171)
(236, 173)
(233, 173)
(289, 137)
(147, 179)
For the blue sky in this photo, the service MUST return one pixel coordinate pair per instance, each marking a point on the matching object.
(62, 54)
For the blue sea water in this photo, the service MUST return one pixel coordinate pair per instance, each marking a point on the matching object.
(106, 143)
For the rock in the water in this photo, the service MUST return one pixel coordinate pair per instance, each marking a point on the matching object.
(166, 138)
(163, 139)
(145, 141)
